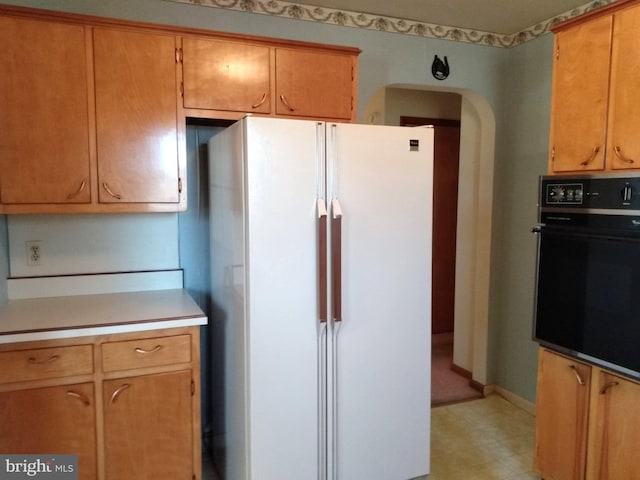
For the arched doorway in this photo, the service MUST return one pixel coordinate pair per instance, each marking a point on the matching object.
(475, 197)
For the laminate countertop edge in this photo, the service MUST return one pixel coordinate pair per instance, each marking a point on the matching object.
(100, 314)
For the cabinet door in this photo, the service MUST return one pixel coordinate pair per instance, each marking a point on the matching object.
(148, 427)
(623, 150)
(221, 75)
(561, 417)
(579, 100)
(52, 420)
(44, 132)
(613, 454)
(313, 84)
(136, 116)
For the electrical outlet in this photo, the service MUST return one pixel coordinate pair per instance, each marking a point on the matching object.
(34, 253)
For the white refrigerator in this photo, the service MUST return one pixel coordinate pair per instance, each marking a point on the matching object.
(321, 280)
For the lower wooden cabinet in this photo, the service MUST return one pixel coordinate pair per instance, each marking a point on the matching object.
(55, 420)
(587, 421)
(148, 426)
(131, 409)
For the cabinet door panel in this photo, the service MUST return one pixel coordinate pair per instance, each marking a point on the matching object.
(617, 411)
(222, 75)
(148, 427)
(623, 150)
(313, 84)
(53, 420)
(580, 93)
(44, 129)
(136, 115)
(563, 400)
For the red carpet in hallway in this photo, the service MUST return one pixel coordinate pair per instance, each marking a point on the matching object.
(447, 386)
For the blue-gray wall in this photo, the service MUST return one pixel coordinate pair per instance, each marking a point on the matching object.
(521, 156)
(516, 84)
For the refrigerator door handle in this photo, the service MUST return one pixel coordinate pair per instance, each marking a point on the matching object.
(322, 260)
(336, 261)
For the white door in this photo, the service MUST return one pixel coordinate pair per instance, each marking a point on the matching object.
(380, 351)
(285, 341)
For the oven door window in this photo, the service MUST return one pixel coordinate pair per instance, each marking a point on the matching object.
(588, 295)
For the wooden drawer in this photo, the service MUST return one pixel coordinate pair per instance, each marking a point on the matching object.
(146, 352)
(39, 363)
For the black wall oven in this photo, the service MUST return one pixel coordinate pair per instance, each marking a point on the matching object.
(588, 269)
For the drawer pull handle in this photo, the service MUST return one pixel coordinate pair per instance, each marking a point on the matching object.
(153, 350)
(283, 99)
(577, 374)
(260, 102)
(110, 192)
(83, 398)
(77, 192)
(119, 390)
(618, 151)
(604, 389)
(592, 157)
(35, 361)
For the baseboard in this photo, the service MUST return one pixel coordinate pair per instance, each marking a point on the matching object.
(461, 371)
(511, 397)
(477, 386)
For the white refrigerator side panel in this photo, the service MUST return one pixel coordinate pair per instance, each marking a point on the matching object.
(227, 213)
(282, 181)
(381, 350)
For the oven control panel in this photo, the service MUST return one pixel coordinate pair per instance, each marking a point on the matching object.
(605, 192)
(564, 193)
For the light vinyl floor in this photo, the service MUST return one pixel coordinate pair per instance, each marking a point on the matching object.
(485, 439)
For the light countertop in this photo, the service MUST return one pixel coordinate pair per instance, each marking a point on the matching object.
(100, 314)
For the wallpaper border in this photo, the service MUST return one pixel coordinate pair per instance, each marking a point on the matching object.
(298, 11)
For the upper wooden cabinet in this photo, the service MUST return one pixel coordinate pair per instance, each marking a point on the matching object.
(227, 79)
(314, 84)
(595, 111)
(90, 121)
(94, 109)
(44, 126)
(224, 75)
(136, 117)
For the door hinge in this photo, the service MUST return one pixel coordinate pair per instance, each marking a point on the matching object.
(179, 55)
(179, 185)
(352, 73)
(193, 388)
(558, 52)
(182, 89)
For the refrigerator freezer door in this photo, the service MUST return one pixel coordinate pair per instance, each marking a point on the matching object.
(382, 177)
(284, 338)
